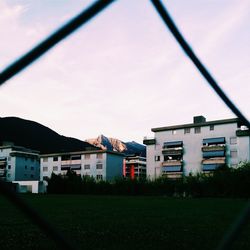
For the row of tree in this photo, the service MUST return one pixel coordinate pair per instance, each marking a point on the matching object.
(224, 182)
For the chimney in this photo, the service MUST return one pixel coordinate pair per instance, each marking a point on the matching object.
(199, 119)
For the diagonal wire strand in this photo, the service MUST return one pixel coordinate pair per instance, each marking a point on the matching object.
(36, 218)
(241, 221)
(14, 69)
(187, 49)
(53, 39)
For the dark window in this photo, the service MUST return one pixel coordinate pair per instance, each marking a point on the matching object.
(211, 127)
(197, 130)
(55, 158)
(157, 158)
(98, 166)
(32, 168)
(76, 157)
(87, 166)
(186, 130)
(65, 157)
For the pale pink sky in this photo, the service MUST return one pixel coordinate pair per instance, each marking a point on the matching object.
(123, 73)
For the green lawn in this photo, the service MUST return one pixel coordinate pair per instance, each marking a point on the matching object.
(112, 222)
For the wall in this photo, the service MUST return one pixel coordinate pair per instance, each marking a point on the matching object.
(114, 167)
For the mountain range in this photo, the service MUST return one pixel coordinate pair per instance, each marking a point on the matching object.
(33, 135)
(128, 148)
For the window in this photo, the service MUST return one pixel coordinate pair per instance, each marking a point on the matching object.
(99, 177)
(87, 156)
(186, 130)
(9, 166)
(87, 166)
(233, 154)
(173, 132)
(9, 175)
(211, 127)
(76, 157)
(45, 159)
(55, 168)
(197, 130)
(25, 167)
(233, 140)
(98, 166)
(45, 169)
(98, 156)
(31, 176)
(9, 158)
(31, 168)
(55, 158)
(65, 157)
(157, 158)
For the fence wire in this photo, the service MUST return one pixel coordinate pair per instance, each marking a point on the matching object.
(87, 14)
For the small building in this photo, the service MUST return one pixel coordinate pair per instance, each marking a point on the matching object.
(100, 164)
(19, 164)
(134, 167)
(201, 146)
(20, 167)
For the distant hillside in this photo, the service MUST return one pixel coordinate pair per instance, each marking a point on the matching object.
(113, 144)
(33, 135)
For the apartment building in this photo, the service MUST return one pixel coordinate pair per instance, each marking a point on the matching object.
(201, 146)
(19, 164)
(134, 167)
(100, 164)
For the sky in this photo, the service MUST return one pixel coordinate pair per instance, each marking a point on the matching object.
(123, 73)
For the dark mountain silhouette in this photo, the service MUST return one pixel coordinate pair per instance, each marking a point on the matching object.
(128, 148)
(33, 135)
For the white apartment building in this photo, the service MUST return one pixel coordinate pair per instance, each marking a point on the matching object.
(201, 146)
(100, 164)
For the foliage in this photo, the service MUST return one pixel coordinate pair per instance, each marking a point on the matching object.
(223, 182)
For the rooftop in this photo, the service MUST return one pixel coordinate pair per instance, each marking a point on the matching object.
(197, 123)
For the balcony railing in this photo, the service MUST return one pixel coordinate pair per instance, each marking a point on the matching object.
(213, 148)
(217, 160)
(171, 169)
(172, 151)
(149, 140)
(172, 163)
(2, 172)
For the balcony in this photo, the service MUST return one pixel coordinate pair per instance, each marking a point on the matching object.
(172, 151)
(149, 141)
(216, 160)
(210, 167)
(172, 163)
(166, 169)
(212, 154)
(213, 148)
(2, 172)
(214, 141)
(71, 167)
(71, 162)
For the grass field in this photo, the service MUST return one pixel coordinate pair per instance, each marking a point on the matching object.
(112, 222)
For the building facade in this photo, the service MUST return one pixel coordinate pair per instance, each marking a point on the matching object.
(134, 167)
(200, 146)
(100, 164)
(19, 164)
